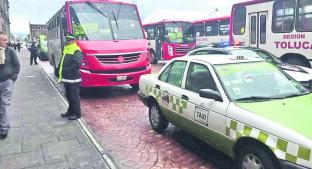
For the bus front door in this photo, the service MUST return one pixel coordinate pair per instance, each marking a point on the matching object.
(258, 29)
(158, 44)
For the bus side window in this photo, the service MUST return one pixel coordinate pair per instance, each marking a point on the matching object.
(304, 16)
(283, 16)
(239, 21)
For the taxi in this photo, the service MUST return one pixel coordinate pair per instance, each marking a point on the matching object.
(245, 107)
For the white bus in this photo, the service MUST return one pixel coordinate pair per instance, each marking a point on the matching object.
(212, 30)
(283, 27)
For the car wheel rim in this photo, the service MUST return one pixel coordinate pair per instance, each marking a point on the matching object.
(155, 116)
(251, 161)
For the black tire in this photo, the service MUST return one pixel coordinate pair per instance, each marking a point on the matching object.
(157, 121)
(298, 61)
(256, 155)
(135, 86)
(154, 59)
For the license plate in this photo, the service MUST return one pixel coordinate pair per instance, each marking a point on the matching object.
(121, 78)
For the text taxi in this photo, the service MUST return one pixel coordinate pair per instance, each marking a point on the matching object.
(245, 107)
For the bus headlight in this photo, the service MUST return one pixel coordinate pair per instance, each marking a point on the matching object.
(170, 50)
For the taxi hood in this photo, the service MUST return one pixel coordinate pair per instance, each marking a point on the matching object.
(294, 113)
(108, 47)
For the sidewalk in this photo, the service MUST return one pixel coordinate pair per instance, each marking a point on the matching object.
(39, 138)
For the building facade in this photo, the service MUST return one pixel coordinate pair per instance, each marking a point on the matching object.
(4, 16)
(36, 30)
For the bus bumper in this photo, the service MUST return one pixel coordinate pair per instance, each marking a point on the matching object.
(90, 79)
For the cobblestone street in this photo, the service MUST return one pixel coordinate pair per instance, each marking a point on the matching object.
(120, 121)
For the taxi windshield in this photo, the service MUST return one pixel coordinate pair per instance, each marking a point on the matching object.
(105, 21)
(179, 32)
(257, 81)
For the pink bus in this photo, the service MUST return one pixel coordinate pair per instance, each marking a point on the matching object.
(111, 37)
(169, 39)
(212, 30)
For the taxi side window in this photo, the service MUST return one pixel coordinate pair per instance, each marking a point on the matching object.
(164, 75)
(174, 73)
(199, 77)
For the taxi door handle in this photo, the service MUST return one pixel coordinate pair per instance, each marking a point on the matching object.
(157, 86)
(185, 97)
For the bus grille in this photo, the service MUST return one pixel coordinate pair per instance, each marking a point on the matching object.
(119, 71)
(115, 59)
(183, 50)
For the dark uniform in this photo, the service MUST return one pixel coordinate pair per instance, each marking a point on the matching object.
(68, 73)
(33, 53)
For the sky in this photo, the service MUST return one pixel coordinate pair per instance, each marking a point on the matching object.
(23, 12)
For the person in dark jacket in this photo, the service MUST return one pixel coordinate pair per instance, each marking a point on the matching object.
(33, 53)
(68, 72)
(9, 69)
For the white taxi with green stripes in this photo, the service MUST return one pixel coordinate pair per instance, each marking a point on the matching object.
(245, 107)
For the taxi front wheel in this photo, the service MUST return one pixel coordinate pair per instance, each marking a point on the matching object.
(158, 122)
(256, 157)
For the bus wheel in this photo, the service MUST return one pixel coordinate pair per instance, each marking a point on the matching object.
(154, 59)
(158, 121)
(298, 61)
(253, 156)
(135, 86)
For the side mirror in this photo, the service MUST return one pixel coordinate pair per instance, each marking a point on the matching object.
(210, 94)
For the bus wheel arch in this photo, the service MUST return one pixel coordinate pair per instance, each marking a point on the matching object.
(154, 59)
(250, 147)
(297, 59)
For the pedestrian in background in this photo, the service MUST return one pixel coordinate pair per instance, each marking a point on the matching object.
(18, 46)
(68, 72)
(33, 53)
(9, 69)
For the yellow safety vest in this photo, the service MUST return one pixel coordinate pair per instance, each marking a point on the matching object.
(68, 50)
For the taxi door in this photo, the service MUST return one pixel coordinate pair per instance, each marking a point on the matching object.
(169, 83)
(208, 116)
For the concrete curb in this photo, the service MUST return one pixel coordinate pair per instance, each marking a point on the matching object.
(108, 160)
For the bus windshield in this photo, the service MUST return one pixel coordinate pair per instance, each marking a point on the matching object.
(105, 21)
(179, 32)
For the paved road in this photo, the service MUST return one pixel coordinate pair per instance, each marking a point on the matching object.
(121, 123)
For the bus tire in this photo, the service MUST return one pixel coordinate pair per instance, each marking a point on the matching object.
(255, 155)
(297, 60)
(154, 59)
(135, 86)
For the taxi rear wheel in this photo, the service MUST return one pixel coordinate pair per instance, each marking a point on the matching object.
(158, 122)
(256, 157)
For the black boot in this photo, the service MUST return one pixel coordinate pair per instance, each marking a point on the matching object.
(3, 134)
(66, 114)
(74, 117)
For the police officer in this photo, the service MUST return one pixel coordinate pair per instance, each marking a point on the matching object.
(68, 73)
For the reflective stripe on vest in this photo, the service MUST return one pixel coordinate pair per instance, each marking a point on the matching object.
(68, 50)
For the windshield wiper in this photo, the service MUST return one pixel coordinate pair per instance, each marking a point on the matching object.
(295, 95)
(258, 98)
(96, 8)
(115, 19)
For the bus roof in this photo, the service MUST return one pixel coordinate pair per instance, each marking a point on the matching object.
(212, 19)
(108, 1)
(165, 21)
(251, 2)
